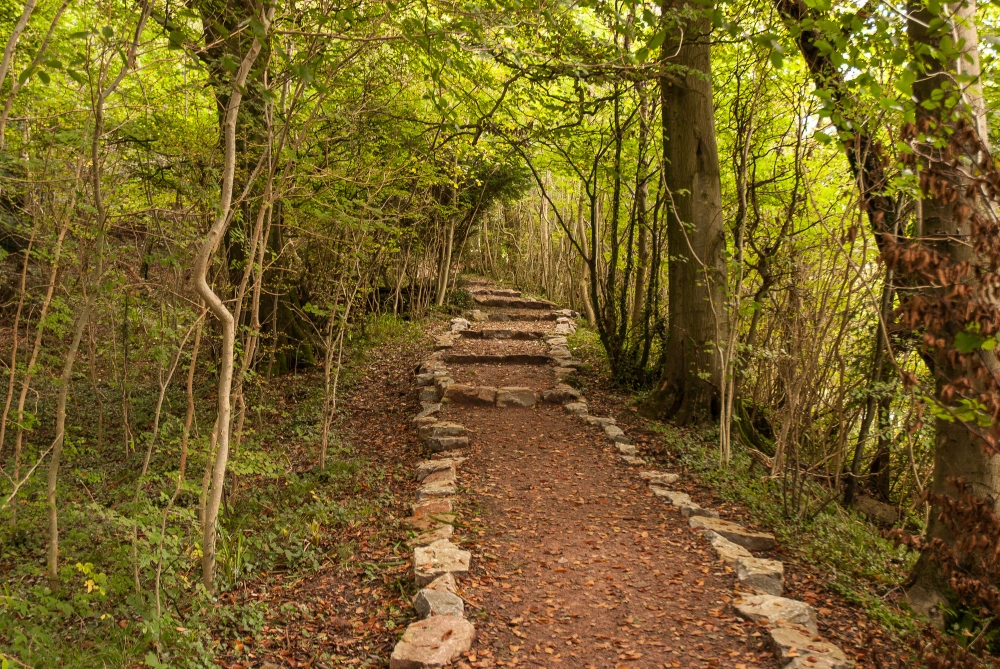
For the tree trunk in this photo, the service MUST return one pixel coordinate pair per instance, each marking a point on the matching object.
(946, 230)
(689, 388)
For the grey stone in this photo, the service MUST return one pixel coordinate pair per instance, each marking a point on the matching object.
(765, 576)
(424, 420)
(479, 316)
(727, 551)
(459, 324)
(428, 411)
(438, 603)
(432, 364)
(627, 449)
(614, 433)
(633, 460)
(567, 313)
(439, 558)
(564, 328)
(576, 408)
(686, 506)
(440, 444)
(459, 393)
(428, 378)
(437, 489)
(561, 394)
(446, 583)
(442, 429)
(515, 396)
(563, 373)
(754, 541)
(428, 394)
(441, 383)
(427, 467)
(803, 648)
(774, 610)
(556, 341)
(442, 531)
(441, 476)
(600, 421)
(659, 478)
(433, 643)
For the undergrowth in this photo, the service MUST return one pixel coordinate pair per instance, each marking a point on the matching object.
(864, 567)
(280, 515)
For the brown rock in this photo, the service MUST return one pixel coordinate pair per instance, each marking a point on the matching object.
(460, 393)
(754, 541)
(431, 507)
(512, 396)
(433, 643)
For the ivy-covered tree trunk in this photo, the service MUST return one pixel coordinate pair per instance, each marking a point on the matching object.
(945, 47)
(697, 318)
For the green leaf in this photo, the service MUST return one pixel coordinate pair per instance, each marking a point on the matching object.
(107, 32)
(43, 76)
(967, 342)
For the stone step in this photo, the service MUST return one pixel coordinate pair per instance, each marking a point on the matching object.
(767, 577)
(433, 643)
(727, 551)
(428, 467)
(490, 333)
(430, 602)
(487, 359)
(441, 429)
(502, 302)
(441, 444)
(561, 394)
(754, 541)
(516, 396)
(801, 648)
(659, 478)
(772, 610)
(437, 559)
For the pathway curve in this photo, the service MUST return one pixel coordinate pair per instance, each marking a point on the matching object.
(540, 524)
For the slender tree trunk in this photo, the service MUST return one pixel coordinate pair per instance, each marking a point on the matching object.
(692, 375)
(222, 313)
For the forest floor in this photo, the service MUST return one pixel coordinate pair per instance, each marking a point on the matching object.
(575, 562)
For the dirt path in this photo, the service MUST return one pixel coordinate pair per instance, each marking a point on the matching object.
(580, 565)
(572, 559)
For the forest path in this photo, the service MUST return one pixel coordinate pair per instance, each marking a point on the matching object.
(574, 560)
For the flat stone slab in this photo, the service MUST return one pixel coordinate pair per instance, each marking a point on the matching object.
(429, 378)
(441, 429)
(727, 551)
(754, 541)
(439, 489)
(460, 393)
(765, 576)
(684, 503)
(428, 411)
(440, 444)
(803, 648)
(446, 583)
(633, 460)
(427, 467)
(439, 558)
(433, 643)
(561, 394)
(432, 507)
(515, 396)
(563, 373)
(773, 610)
(556, 341)
(659, 478)
(441, 476)
(600, 421)
(441, 531)
(438, 603)
(459, 324)
(485, 359)
(428, 394)
(576, 408)
(616, 434)
(627, 449)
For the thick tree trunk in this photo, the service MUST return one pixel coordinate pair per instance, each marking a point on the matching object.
(946, 230)
(689, 388)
